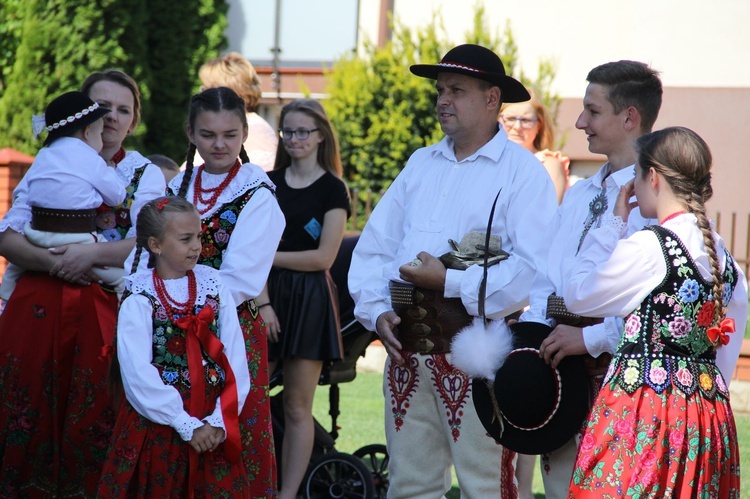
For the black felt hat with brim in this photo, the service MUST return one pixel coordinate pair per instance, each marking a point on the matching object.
(478, 62)
(540, 408)
(70, 112)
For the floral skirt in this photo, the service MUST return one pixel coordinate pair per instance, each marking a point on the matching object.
(255, 419)
(651, 444)
(56, 416)
(147, 459)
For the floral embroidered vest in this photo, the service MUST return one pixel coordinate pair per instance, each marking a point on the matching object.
(170, 347)
(218, 228)
(664, 342)
(114, 222)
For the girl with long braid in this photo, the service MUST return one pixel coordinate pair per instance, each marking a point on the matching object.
(662, 425)
(241, 228)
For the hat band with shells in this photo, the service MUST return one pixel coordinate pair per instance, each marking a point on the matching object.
(70, 119)
(39, 123)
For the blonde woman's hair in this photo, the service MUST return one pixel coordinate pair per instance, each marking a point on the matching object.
(232, 70)
(545, 137)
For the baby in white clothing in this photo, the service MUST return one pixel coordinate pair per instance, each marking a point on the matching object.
(67, 182)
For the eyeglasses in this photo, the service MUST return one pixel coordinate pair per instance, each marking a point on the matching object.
(300, 133)
(510, 121)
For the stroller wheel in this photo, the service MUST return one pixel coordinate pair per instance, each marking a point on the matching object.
(338, 475)
(375, 457)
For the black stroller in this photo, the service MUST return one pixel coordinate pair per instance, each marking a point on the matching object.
(333, 474)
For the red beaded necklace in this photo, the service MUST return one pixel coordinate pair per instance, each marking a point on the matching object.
(673, 215)
(171, 305)
(118, 156)
(200, 195)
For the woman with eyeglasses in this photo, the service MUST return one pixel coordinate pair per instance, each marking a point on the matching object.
(299, 304)
(530, 125)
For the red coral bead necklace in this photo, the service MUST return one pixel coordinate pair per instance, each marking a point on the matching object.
(172, 306)
(118, 156)
(208, 197)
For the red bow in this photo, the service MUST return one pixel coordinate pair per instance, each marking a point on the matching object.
(199, 336)
(721, 332)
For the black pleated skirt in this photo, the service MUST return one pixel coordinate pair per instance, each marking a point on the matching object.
(306, 304)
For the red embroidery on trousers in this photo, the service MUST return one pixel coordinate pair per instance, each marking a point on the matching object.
(508, 487)
(403, 382)
(453, 387)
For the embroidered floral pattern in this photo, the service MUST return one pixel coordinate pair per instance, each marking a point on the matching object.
(255, 419)
(454, 387)
(403, 382)
(170, 347)
(218, 227)
(662, 425)
(114, 222)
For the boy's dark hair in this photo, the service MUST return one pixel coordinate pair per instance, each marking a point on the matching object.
(631, 83)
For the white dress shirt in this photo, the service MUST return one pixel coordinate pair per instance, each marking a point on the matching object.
(436, 198)
(563, 241)
(70, 175)
(612, 276)
(143, 385)
(150, 186)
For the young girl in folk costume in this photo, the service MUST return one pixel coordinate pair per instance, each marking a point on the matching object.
(54, 434)
(662, 425)
(242, 225)
(182, 362)
(302, 311)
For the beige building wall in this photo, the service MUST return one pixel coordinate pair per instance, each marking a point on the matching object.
(694, 43)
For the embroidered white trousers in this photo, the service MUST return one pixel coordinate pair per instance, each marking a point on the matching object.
(431, 424)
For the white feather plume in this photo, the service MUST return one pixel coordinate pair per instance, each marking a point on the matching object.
(480, 350)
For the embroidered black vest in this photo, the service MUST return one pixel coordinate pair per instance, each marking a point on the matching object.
(218, 228)
(115, 222)
(169, 346)
(664, 342)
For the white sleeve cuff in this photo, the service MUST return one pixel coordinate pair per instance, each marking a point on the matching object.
(185, 424)
(616, 223)
(596, 340)
(216, 419)
(453, 283)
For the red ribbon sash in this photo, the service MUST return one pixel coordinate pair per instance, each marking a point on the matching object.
(200, 337)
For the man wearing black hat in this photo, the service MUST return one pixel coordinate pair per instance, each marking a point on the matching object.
(446, 191)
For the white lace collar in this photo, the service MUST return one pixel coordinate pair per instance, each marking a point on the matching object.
(207, 279)
(130, 162)
(248, 177)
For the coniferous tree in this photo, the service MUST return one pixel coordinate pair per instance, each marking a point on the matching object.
(58, 43)
(383, 113)
(181, 37)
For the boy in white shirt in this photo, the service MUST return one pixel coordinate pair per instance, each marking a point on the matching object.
(622, 103)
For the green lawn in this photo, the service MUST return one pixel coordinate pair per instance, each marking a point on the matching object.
(361, 423)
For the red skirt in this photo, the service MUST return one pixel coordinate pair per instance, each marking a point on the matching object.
(56, 419)
(255, 420)
(652, 444)
(147, 459)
